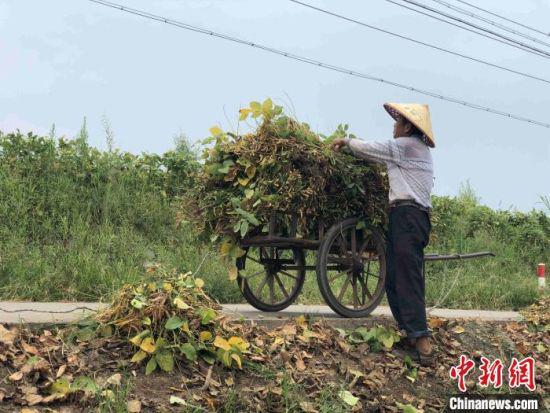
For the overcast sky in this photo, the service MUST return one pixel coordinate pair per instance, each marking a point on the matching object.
(61, 60)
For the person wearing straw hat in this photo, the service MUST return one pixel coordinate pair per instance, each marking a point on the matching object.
(410, 173)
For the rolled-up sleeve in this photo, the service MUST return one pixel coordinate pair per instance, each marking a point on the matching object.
(386, 151)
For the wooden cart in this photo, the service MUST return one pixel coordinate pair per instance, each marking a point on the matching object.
(350, 265)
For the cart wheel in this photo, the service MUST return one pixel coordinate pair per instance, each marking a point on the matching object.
(271, 278)
(351, 268)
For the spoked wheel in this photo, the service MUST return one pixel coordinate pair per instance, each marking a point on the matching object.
(271, 278)
(351, 268)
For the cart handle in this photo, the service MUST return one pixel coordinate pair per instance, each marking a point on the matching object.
(437, 257)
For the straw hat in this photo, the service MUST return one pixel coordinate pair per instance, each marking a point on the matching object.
(416, 113)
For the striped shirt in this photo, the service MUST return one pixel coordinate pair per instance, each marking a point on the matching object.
(409, 163)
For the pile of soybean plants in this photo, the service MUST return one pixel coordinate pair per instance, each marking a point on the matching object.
(281, 167)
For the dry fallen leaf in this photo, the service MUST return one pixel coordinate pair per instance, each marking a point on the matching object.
(7, 336)
(133, 406)
(300, 365)
(301, 321)
(458, 329)
(308, 407)
(29, 348)
(16, 376)
(33, 399)
(288, 330)
(436, 322)
(521, 348)
(115, 379)
(60, 371)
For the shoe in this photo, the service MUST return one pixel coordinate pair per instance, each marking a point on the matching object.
(425, 360)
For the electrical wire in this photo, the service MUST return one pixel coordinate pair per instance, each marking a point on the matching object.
(491, 22)
(467, 28)
(432, 46)
(450, 16)
(318, 63)
(504, 18)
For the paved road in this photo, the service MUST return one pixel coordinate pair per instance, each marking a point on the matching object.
(16, 312)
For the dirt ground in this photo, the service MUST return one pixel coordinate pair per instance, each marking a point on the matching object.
(301, 366)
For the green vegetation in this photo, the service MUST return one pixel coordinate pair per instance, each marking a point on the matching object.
(76, 223)
(284, 167)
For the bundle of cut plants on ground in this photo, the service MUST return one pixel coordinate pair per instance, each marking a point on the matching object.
(284, 167)
(169, 317)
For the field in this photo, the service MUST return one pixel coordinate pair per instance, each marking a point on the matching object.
(76, 223)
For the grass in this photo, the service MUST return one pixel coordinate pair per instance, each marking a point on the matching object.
(77, 223)
(115, 400)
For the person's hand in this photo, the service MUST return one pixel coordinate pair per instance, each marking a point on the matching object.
(338, 144)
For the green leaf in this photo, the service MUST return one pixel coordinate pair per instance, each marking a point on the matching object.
(412, 374)
(226, 165)
(207, 315)
(267, 105)
(165, 360)
(216, 131)
(243, 113)
(341, 331)
(256, 109)
(136, 303)
(406, 408)
(85, 384)
(86, 334)
(173, 323)
(61, 386)
(237, 226)
(243, 181)
(250, 171)
(387, 341)
(105, 331)
(208, 356)
(206, 141)
(151, 366)
(224, 356)
(348, 398)
(177, 400)
(244, 228)
(32, 360)
(248, 216)
(189, 351)
(139, 356)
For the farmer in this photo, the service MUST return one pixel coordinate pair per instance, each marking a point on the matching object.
(410, 173)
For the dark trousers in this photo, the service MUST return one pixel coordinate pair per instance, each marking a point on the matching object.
(408, 234)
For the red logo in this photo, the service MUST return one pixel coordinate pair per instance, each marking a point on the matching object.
(520, 373)
(459, 372)
(491, 373)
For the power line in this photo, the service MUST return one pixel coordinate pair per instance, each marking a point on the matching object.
(466, 28)
(504, 18)
(317, 63)
(491, 22)
(432, 46)
(450, 16)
